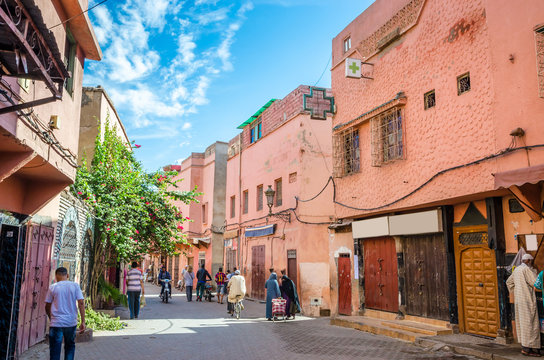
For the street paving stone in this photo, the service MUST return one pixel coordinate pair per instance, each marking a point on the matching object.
(183, 330)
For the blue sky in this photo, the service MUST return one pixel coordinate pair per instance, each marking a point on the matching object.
(184, 74)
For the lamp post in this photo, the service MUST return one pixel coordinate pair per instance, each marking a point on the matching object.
(269, 193)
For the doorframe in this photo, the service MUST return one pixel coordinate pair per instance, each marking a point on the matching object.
(460, 303)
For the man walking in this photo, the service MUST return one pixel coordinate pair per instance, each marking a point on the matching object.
(135, 286)
(220, 279)
(201, 276)
(61, 306)
(521, 282)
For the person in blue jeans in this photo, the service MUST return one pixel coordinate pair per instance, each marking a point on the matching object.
(62, 302)
(201, 276)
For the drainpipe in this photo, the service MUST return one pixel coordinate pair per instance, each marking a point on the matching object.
(240, 254)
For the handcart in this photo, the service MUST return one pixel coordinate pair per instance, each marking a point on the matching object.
(278, 309)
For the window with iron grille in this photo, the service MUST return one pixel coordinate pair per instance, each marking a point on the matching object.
(539, 38)
(463, 83)
(387, 137)
(277, 184)
(429, 100)
(346, 152)
(259, 197)
(246, 200)
(232, 206)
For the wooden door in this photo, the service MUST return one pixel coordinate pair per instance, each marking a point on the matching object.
(292, 266)
(344, 284)
(476, 281)
(230, 260)
(426, 276)
(257, 272)
(37, 270)
(176, 269)
(10, 248)
(381, 275)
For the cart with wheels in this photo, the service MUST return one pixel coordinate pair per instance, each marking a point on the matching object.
(278, 309)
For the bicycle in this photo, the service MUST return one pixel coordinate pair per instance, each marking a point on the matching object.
(238, 309)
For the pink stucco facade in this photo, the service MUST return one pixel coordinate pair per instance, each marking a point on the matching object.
(205, 172)
(446, 40)
(297, 150)
(456, 149)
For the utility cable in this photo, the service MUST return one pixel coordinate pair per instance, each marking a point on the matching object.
(81, 13)
(324, 70)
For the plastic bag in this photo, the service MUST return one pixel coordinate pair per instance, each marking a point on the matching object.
(142, 301)
(517, 260)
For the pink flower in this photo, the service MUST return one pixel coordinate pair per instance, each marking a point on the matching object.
(142, 198)
(180, 227)
(147, 202)
(188, 218)
(137, 146)
(130, 237)
(108, 229)
(137, 232)
(79, 193)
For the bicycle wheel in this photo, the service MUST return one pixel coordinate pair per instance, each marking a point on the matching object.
(237, 310)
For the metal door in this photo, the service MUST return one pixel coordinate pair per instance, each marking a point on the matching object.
(476, 281)
(10, 249)
(381, 276)
(344, 284)
(292, 266)
(426, 276)
(257, 272)
(35, 284)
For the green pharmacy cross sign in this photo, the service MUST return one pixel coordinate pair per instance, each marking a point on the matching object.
(318, 103)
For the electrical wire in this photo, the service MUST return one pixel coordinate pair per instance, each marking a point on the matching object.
(324, 70)
(81, 13)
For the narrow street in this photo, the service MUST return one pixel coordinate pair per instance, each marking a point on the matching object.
(181, 330)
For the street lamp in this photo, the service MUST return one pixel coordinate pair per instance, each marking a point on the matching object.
(269, 193)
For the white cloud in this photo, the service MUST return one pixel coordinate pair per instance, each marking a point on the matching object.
(104, 26)
(186, 126)
(186, 47)
(199, 94)
(213, 16)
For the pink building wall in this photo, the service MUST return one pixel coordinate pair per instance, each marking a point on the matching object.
(296, 149)
(449, 39)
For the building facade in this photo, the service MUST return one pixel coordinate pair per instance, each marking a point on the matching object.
(438, 156)
(282, 149)
(40, 95)
(207, 173)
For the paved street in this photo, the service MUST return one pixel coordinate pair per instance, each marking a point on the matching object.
(181, 330)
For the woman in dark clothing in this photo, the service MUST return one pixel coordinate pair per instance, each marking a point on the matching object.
(289, 293)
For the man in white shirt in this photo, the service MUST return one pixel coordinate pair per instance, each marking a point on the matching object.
(61, 305)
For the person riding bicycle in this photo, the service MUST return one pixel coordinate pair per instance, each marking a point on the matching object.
(202, 275)
(237, 288)
(163, 274)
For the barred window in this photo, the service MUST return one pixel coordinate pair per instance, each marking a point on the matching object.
(387, 137)
(346, 152)
(259, 197)
(246, 201)
(463, 83)
(279, 196)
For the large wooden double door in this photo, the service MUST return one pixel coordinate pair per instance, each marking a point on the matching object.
(426, 275)
(476, 281)
(257, 272)
(381, 274)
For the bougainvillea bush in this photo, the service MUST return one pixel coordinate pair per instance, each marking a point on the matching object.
(134, 210)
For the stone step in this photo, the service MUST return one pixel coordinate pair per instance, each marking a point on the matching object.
(374, 326)
(384, 315)
(417, 327)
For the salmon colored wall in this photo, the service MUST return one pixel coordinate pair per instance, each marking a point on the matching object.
(517, 223)
(301, 146)
(450, 39)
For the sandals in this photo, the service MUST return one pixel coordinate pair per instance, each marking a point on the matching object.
(530, 353)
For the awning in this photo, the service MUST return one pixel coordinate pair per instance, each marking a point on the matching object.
(524, 184)
(205, 240)
(260, 231)
(518, 177)
(230, 234)
(257, 114)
